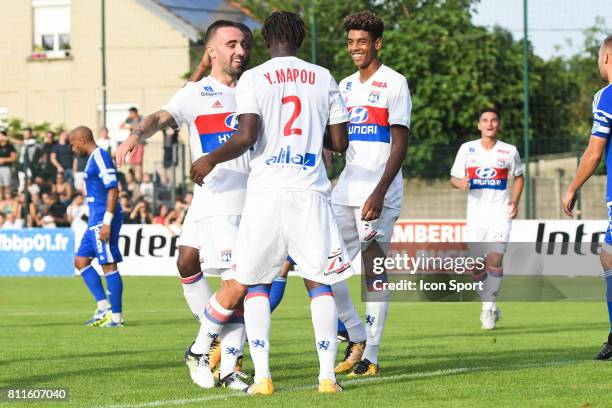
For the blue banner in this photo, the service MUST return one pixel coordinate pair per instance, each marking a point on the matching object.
(36, 252)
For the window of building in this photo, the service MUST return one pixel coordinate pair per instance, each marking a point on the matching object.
(116, 114)
(51, 27)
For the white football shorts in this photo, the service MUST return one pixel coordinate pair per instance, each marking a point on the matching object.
(215, 238)
(296, 223)
(485, 240)
(358, 234)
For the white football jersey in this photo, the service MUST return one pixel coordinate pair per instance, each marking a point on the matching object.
(488, 172)
(383, 100)
(295, 100)
(208, 107)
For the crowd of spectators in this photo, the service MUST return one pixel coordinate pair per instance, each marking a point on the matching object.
(43, 184)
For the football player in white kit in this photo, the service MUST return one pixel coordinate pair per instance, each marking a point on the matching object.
(368, 196)
(210, 227)
(284, 106)
(482, 168)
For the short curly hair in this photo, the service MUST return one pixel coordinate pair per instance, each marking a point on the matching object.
(366, 21)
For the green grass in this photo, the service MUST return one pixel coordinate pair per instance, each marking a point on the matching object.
(433, 354)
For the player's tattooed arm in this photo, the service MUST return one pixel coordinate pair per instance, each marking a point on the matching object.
(153, 123)
(145, 129)
(241, 141)
(336, 139)
(399, 145)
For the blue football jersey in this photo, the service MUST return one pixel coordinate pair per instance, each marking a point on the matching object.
(100, 176)
(602, 120)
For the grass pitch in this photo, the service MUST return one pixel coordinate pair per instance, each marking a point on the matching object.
(432, 355)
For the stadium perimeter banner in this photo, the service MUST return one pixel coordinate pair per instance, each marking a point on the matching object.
(36, 252)
(151, 250)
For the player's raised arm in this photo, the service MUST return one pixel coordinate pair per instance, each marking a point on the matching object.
(145, 129)
(588, 164)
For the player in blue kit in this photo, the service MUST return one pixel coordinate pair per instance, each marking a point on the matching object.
(598, 143)
(101, 239)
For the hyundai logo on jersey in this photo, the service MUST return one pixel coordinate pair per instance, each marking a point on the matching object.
(284, 157)
(359, 114)
(231, 121)
(369, 124)
(486, 172)
(214, 130)
(487, 178)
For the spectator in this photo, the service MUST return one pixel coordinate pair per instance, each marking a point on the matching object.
(170, 141)
(104, 141)
(12, 222)
(56, 210)
(63, 188)
(141, 214)
(29, 157)
(133, 189)
(80, 162)
(47, 168)
(77, 214)
(162, 215)
(62, 156)
(2, 220)
(124, 202)
(174, 222)
(36, 209)
(132, 121)
(9, 204)
(147, 188)
(8, 155)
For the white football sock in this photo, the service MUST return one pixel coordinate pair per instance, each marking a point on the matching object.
(215, 317)
(231, 345)
(103, 304)
(347, 312)
(257, 321)
(376, 314)
(325, 324)
(116, 317)
(197, 293)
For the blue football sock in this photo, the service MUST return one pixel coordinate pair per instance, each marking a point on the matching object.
(341, 327)
(608, 275)
(115, 290)
(277, 290)
(93, 282)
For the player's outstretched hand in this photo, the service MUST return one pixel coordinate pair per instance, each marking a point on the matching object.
(373, 206)
(105, 232)
(568, 203)
(200, 169)
(128, 147)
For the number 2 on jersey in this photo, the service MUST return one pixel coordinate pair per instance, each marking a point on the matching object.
(297, 109)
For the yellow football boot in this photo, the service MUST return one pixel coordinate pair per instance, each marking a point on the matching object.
(352, 357)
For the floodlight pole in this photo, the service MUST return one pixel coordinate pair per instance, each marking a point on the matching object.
(103, 51)
(526, 112)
